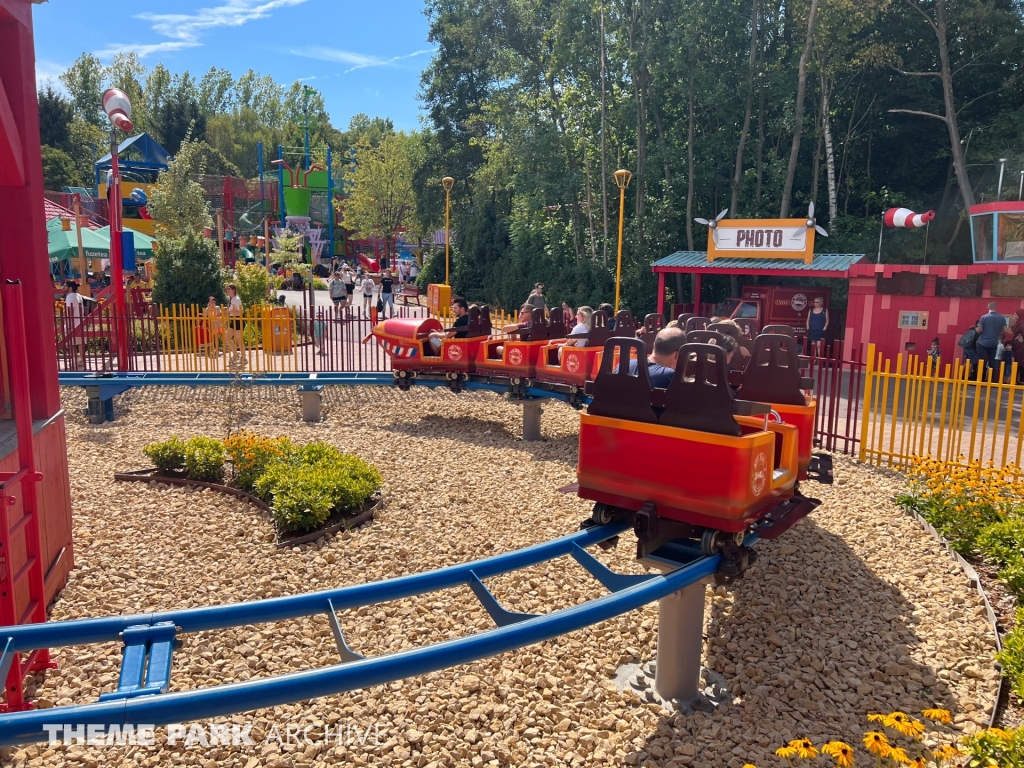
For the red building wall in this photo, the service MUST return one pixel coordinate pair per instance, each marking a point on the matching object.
(23, 256)
(872, 317)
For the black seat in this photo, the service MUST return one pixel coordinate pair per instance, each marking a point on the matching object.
(556, 328)
(696, 323)
(599, 332)
(705, 337)
(653, 323)
(773, 373)
(620, 394)
(682, 318)
(743, 344)
(485, 320)
(537, 330)
(477, 320)
(625, 324)
(785, 330)
(699, 396)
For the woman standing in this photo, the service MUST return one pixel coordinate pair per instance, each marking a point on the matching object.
(817, 324)
(366, 286)
(233, 334)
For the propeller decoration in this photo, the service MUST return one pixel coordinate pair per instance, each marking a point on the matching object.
(712, 224)
(812, 223)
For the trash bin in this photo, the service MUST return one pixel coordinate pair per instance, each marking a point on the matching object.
(278, 325)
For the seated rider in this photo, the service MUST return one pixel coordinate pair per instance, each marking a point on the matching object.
(661, 363)
(459, 329)
(525, 320)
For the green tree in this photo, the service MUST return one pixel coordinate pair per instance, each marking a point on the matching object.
(253, 283)
(127, 72)
(59, 169)
(87, 143)
(84, 83)
(381, 199)
(176, 202)
(187, 272)
(55, 117)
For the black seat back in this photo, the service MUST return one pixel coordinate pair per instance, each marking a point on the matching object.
(620, 394)
(705, 337)
(785, 330)
(699, 396)
(773, 373)
(556, 328)
(696, 323)
(538, 328)
(653, 323)
(599, 332)
(473, 330)
(682, 318)
(625, 323)
(485, 320)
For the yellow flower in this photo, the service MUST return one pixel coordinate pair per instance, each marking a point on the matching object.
(876, 718)
(748, 765)
(898, 755)
(877, 743)
(939, 715)
(999, 733)
(804, 749)
(919, 763)
(786, 752)
(903, 723)
(948, 752)
(841, 752)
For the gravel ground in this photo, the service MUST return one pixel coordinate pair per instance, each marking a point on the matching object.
(855, 610)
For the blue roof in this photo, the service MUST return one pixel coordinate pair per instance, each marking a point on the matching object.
(146, 153)
(823, 262)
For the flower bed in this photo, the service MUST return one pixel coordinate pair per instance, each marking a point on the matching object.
(305, 488)
(980, 511)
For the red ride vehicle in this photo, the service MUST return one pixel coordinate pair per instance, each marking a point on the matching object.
(517, 357)
(407, 342)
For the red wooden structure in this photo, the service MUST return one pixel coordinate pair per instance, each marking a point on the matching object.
(35, 498)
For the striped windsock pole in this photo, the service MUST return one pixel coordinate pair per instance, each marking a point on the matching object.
(906, 218)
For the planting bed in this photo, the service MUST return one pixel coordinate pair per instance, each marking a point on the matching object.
(855, 610)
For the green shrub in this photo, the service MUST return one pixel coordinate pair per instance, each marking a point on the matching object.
(1012, 655)
(313, 483)
(994, 747)
(1003, 541)
(252, 281)
(166, 455)
(204, 459)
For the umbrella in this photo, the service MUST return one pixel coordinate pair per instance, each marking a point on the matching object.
(63, 244)
(143, 242)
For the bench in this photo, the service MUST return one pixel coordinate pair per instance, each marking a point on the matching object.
(409, 292)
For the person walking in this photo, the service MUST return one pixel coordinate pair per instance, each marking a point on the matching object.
(339, 296)
(74, 314)
(414, 270)
(350, 283)
(969, 344)
(387, 293)
(992, 325)
(233, 334)
(536, 298)
(817, 324)
(366, 287)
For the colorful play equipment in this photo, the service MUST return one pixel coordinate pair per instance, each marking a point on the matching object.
(140, 159)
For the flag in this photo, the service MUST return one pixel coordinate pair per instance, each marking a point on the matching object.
(906, 218)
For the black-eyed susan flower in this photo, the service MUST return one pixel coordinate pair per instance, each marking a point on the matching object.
(939, 715)
(918, 763)
(903, 723)
(945, 753)
(805, 750)
(877, 743)
(898, 755)
(787, 752)
(876, 718)
(839, 751)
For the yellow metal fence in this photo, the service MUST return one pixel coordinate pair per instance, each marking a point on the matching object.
(917, 408)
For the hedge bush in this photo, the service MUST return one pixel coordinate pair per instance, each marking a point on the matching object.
(204, 459)
(166, 455)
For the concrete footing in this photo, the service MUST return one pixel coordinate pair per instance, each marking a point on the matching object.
(531, 420)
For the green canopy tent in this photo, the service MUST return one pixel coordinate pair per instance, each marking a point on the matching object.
(143, 242)
(63, 244)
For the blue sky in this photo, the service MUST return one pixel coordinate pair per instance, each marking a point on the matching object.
(364, 56)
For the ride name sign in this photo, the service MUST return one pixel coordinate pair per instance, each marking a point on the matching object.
(762, 239)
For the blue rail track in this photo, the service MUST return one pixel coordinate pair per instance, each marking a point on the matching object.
(150, 638)
(117, 383)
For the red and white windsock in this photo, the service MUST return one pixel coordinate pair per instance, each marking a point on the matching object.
(906, 218)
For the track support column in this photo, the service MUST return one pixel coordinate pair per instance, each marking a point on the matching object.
(531, 420)
(310, 398)
(680, 641)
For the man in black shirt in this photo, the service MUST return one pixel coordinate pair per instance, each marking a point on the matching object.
(387, 292)
(459, 329)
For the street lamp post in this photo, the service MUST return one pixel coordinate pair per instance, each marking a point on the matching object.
(447, 182)
(622, 178)
(119, 111)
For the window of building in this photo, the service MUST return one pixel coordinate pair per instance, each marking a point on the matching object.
(748, 310)
(1006, 286)
(1011, 237)
(901, 283)
(981, 234)
(971, 287)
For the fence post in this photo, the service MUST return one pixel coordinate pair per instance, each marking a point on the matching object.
(868, 386)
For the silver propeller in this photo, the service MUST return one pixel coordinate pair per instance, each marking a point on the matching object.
(812, 222)
(713, 223)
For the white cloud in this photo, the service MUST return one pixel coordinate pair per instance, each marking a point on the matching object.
(357, 60)
(48, 72)
(183, 30)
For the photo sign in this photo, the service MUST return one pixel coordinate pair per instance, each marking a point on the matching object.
(762, 239)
